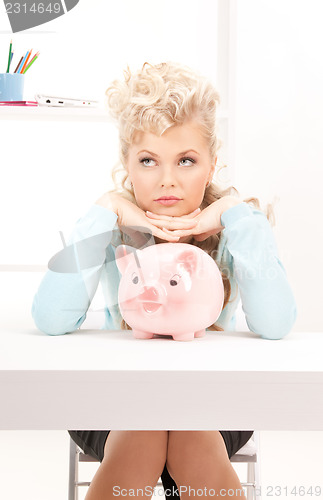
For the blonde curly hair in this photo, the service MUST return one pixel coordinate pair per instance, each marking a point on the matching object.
(152, 100)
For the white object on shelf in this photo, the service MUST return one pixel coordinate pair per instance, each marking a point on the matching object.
(55, 101)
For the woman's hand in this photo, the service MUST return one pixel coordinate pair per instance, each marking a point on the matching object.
(207, 222)
(129, 215)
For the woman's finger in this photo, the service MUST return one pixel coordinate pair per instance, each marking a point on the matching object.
(179, 232)
(167, 236)
(175, 224)
(168, 217)
(171, 220)
(163, 234)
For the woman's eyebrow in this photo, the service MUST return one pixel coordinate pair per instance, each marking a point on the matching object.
(179, 154)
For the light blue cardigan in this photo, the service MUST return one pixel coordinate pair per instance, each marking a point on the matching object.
(246, 249)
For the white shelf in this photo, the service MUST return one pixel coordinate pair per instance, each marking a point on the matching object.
(44, 113)
(54, 114)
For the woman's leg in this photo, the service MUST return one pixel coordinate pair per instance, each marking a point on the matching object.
(199, 460)
(132, 460)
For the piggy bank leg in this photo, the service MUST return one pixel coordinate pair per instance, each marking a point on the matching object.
(184, 336)
(139, 334)
(200, 333)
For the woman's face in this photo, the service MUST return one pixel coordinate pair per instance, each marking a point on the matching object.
(176, 164)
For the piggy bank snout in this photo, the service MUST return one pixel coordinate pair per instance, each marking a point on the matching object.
(151, 299)
(149, 294)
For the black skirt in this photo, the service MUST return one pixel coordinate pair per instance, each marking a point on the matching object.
(92, 443)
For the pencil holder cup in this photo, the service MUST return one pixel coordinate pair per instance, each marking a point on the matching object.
(11, 86)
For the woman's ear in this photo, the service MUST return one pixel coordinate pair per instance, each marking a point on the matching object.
(212, 170)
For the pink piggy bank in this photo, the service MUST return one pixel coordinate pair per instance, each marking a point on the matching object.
(170, 289)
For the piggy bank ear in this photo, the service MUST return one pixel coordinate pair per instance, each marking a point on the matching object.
(124, 255)
(189, 261)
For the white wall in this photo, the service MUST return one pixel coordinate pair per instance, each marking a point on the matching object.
(82, 51)
(54, 171)
(278, 134)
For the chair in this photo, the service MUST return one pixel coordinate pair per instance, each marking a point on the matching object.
(249, 454)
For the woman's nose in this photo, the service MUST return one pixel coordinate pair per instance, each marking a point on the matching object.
(168, 178)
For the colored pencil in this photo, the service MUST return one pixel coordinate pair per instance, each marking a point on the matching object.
(9, 58)
(23, 62)
(18, 64)
(31, 62)
(12, 53)
(26, 61)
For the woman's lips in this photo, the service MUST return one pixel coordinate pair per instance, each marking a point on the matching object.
(167, 202)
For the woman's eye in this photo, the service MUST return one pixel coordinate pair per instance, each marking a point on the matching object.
(143, 161)
(188, 159)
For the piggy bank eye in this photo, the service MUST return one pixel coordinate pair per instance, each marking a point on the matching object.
(134, 278)
(175, 280)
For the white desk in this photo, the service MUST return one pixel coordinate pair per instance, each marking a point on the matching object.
(95, 379)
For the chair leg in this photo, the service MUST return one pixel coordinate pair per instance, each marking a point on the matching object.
(251, 479)
(257, 468)
(73, 472)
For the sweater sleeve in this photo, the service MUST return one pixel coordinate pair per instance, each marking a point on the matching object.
(68, 287)
(266, 296)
